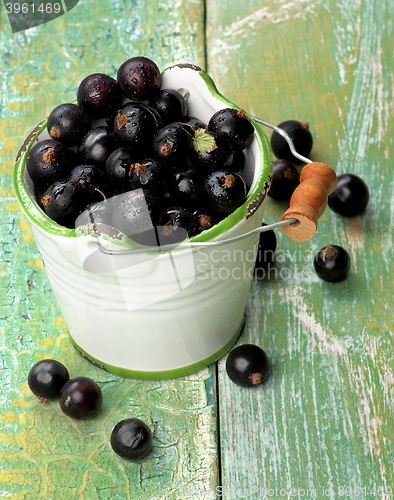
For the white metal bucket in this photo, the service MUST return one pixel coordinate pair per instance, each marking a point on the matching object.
(170, 315)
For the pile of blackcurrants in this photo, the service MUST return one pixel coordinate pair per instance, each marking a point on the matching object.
(189, 171)
(81, 398)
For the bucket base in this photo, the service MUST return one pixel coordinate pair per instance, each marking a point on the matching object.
(163, 374)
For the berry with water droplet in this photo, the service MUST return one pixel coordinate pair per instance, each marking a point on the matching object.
(68, 123)
(224, 191)
(99, 95)
(234, 124)
(50, 160)
(139, 78)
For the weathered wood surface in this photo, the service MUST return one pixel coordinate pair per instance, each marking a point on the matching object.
(324, 420)
(45, 455)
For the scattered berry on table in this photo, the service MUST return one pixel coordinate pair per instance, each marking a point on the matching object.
(332, 263)
(80, 398)
(46, 378)
(131, 439)
(301, 136)
(350, 197)
(68, 123)
(266, 249)
(285, 178)
(248, 365)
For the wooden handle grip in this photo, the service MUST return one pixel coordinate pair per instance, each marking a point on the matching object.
(312, 192)
(309, 200)
(321, 171)
(306, 225)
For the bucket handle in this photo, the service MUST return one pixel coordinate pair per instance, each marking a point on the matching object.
(309, 200)
(195, 244)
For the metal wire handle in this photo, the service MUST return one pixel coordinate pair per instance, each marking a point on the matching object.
(195, 244)
(285, 135)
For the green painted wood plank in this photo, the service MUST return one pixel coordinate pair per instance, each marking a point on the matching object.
(324, 419)
(45, 455)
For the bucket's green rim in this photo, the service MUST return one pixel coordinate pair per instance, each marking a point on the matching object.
(254, 199)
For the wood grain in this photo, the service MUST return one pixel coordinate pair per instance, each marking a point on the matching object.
(45, 455)
(324, 420)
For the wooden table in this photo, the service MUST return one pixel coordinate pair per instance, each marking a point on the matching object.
(322, 426)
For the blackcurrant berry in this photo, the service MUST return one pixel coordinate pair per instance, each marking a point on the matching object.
(266, 249)
(131, 439)
(99, 95)
(224, 191)
(219, 157)
(248, 365)
(63, 201)
(117, 169)
(139, 78)
(186, 188)
(80, 398)
(96, 146)
(50, 160)
(235, 125)
(136, 212)
(194, 123)
(238, 162)
(170, 104)
(46, 378)
(206, 218)
(350, 197)
(68, 123)
(300, 135)
(285, 178)
(177, 224)
(172, 145)
(93, 181)
(332, 263)
(134, 127)
(151, 175)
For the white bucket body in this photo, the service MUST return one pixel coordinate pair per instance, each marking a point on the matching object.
(163, 315)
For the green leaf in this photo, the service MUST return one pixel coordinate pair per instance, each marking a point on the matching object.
(203, 141)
